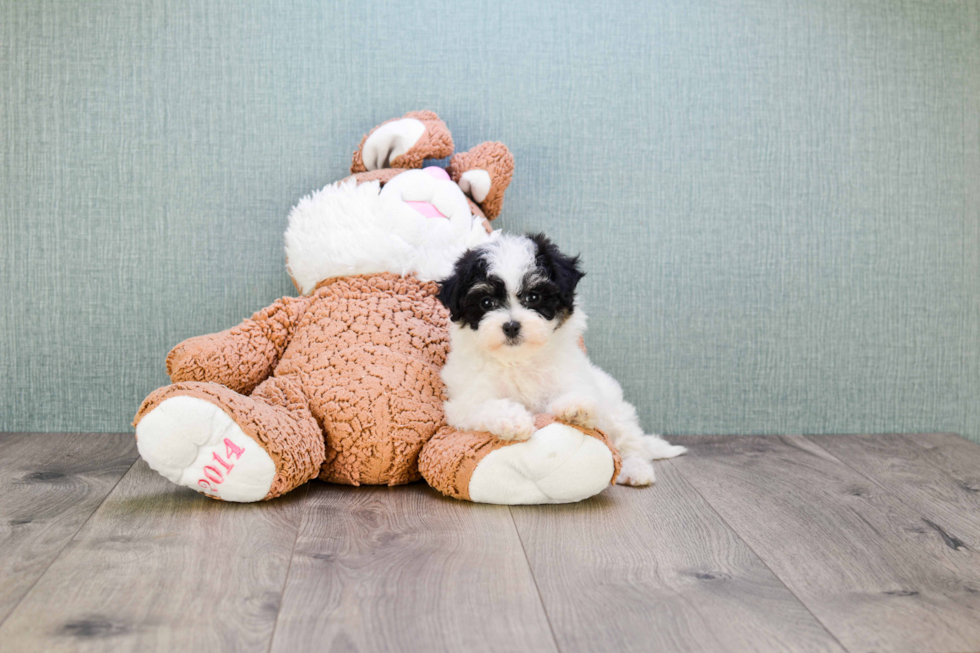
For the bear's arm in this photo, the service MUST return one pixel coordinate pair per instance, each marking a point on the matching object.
(242, 357)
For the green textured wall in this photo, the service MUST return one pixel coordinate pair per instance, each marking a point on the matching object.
(777, 203)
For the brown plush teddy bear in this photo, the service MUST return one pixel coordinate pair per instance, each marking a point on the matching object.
(343, 381)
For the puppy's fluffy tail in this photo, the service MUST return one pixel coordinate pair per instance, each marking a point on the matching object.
(659, 448)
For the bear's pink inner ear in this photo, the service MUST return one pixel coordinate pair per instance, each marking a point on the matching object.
(390, 141)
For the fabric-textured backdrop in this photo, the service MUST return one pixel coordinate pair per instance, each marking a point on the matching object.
(777, 202)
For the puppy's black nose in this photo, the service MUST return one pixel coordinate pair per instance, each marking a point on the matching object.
(512, 328)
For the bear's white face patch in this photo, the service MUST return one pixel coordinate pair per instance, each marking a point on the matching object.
(431, 193)
(346, 229)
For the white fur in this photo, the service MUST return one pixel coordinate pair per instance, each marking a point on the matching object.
(346, 229)
(510, 259)
(497, 387)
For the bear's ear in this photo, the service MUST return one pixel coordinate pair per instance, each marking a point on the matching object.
(403, 143)
(484, 173)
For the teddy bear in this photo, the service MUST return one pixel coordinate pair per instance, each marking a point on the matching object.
(342, 381)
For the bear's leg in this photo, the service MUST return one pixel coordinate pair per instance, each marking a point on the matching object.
(379, 409)
(558, 464)
(230, 446)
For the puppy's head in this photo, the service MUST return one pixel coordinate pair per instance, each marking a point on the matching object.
(512, 293)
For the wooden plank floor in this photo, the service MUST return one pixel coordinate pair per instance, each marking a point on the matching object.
(820, 543)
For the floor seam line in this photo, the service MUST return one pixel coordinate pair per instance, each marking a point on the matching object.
(871, 479)
(899, 498)
(289, 568)
(927, 459)
(534, 579)
(759, 557)
(853, 469)
(69, 541)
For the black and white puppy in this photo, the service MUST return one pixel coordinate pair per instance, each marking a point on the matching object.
(515, 351)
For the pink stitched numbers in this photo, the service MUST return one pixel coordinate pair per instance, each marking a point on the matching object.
(216, 473)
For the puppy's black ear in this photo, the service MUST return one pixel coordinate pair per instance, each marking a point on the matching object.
(563, 270)
(449, 294)
(469, 268)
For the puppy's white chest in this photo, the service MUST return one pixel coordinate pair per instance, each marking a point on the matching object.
(527, 386)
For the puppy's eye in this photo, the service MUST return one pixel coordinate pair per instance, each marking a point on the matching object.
(532, 298)
(487, 303)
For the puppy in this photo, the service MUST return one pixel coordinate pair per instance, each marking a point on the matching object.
(516, 350)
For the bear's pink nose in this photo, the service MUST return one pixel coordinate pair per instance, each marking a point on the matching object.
(437, 172)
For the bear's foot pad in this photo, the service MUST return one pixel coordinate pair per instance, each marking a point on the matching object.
(195, 443)
(558, 464)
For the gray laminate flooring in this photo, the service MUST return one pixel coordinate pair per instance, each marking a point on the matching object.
(817, 543)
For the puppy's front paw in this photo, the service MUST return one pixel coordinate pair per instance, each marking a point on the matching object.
(636, 472)
(517, 424)
(575, 409)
